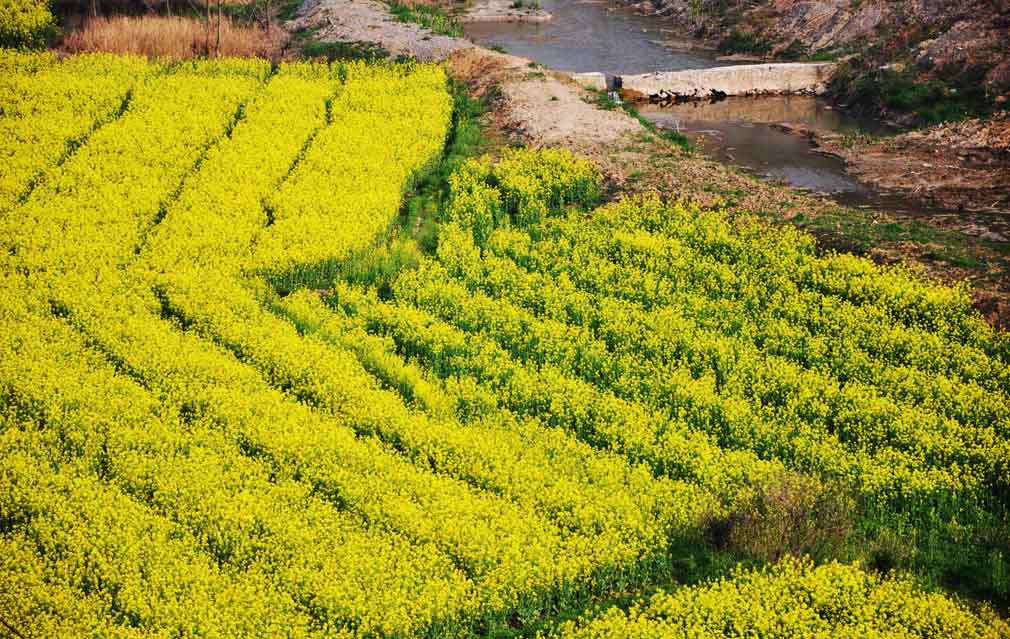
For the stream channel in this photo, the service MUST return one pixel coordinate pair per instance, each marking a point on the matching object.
(595, 35)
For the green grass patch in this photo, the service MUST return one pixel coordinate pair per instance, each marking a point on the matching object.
(744, 42)
(602, 100)
(420, 212)
(930, 101)
(431, 17)
(309, 46)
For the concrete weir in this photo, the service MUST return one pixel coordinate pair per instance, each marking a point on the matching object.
(748, 79)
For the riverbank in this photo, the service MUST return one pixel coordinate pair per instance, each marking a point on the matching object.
(540, 108)
(917, 62)
(958, 166)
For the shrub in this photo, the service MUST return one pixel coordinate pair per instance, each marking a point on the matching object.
(172, 37)
(789, 515)
(26, 24)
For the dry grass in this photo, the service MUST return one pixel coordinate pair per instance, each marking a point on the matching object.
(173, 37)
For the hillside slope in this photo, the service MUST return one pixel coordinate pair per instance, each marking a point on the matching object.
(935, 58)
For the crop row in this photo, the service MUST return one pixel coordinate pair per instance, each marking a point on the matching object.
(47, 112)
(763, 305)
(730, 388)
(216, 295)
(172, 370)
(906, 297)
(663, 357)
(159, 462)
(793, 599)
(554, 313)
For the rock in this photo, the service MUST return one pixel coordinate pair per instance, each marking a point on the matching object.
(503, 11)
(756, 79)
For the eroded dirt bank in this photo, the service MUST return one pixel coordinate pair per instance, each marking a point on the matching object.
(964, 165)
(543, 108)
(960, 43)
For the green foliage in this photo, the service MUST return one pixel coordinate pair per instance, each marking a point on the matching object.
(26, 24)
(789, 514)
(429, 196)
(603, 100)
(795, 51)
(744, 42)
(429, 16)
(336, 51)
(930, 101)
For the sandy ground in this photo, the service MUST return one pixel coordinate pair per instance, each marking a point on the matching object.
(370, 21)
(544, 108)
(503, 11)
(541, 108)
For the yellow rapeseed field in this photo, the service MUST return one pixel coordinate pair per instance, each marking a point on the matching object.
(213, 426)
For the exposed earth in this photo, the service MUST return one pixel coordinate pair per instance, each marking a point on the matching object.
(963, 165)
(356, 21)
(955, 41)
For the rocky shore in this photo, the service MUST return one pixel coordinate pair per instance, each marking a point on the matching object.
(903, 56)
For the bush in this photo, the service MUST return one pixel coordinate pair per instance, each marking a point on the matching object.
(26, 24)
(789, 515)
(930, 101)
(428, 16)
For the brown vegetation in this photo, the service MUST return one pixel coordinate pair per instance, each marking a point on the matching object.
(790, 515)
(173, 37)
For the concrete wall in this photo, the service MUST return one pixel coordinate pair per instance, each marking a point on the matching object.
(747, 79)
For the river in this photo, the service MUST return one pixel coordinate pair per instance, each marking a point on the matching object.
(594, 35)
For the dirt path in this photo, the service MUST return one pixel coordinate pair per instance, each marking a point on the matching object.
(370, 21)
(543, 108)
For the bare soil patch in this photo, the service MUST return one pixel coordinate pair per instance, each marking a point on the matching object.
(370, 21)
(964, 165)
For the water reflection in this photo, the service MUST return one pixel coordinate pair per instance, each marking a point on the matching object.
(741, 131)
(592, 36)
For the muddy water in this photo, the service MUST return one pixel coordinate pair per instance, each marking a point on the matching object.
(747, 132)
(592, 35)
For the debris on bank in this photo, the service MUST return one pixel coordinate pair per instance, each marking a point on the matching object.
(958, 166)
(506, 11)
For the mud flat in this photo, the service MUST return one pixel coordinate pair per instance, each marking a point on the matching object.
(504, 11)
